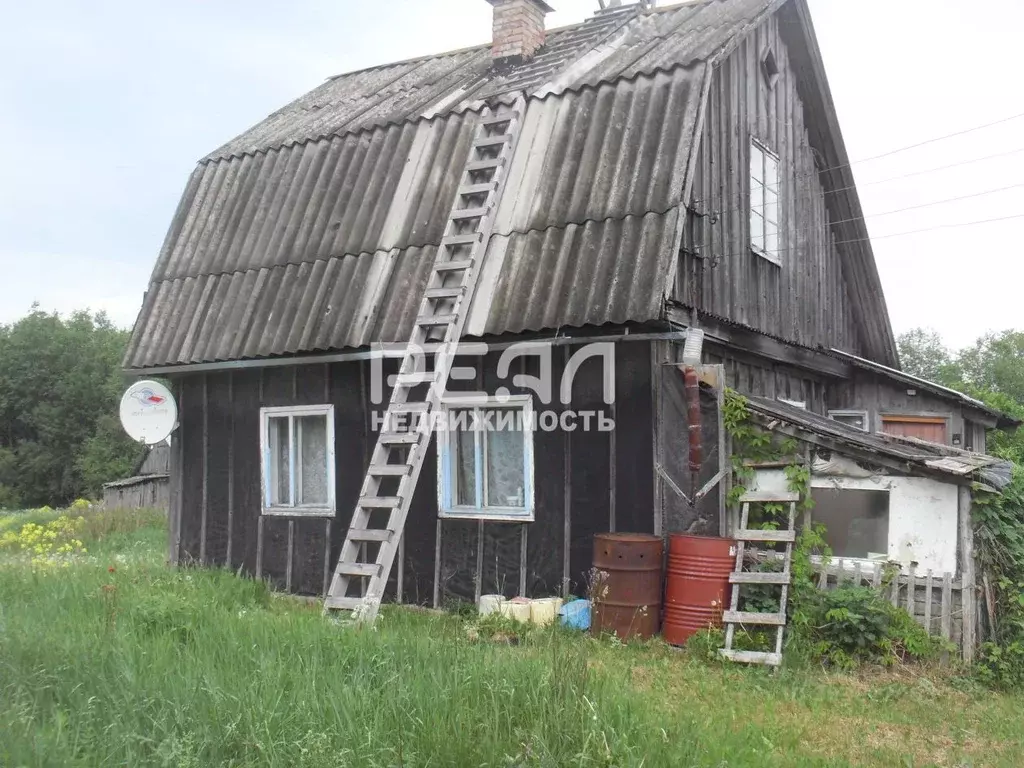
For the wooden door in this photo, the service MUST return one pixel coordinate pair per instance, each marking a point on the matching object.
(930, 428)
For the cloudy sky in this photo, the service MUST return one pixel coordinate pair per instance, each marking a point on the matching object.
(107, 106)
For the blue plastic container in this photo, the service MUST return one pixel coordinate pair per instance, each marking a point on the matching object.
(576, 614)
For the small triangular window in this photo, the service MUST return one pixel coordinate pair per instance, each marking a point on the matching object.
(770, 68)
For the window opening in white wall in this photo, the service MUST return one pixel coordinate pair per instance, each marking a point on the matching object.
(764, 202)
(856, 521)
(485, 469)
(855, 419)
(297, 445)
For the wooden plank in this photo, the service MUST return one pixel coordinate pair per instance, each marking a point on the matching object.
(967, 598)
(291, 557)
(946, 615)
(566, 499)
(204, 515)
(259, 547)
(753, 534)
(724, 456)
(522, 558)
(656, 442)
(612, 468)
(759, 577)
(911, 588)
(437, 565)
(990, 605)
(752, 657)
(400, 576)
(478, 577)
(895, 591)
(876, 577)
(327, 555)
(751, 497)
(928, 584)
(754, 617)
(229, 555)
(823, 576)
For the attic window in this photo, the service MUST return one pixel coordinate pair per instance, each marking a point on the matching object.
(770, 68)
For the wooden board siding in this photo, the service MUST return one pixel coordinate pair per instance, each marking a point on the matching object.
(753, 375)
(880, 397)
(804, 300)
(559, 542)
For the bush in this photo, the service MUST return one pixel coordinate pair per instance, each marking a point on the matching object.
(856, 624)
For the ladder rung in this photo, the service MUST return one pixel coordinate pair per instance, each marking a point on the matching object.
(752, 657)
(453, 266)
(430, 321)
(344, 603)
(389, 470)
(766, 497)
(379, 502)
(470, 238)
(752, 534)
(492, 141)
(408, 407)
(358, 569)
(758, 577)
(485, 165)
(477, 189)
(445, 293)
(504, 117)
(469, 213)
(370, 534)
(748, 617)
(416, 377)
(399, 438)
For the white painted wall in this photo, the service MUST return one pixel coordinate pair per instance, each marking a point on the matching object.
(922, 514)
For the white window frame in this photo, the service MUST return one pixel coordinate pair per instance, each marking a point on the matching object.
(865, 420)
(447, 484)
(759, 204)
(291, 412)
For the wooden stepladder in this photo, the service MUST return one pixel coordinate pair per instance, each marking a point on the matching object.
(372, 542)
(739, 577)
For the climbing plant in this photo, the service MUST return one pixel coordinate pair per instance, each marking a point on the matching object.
(999, 542)
(841, 626)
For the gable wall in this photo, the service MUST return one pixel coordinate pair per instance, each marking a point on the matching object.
(804, 300)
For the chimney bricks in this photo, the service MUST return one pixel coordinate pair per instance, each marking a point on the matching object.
(518, 29)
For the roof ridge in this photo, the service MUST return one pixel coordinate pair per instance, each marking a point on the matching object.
(473, 107)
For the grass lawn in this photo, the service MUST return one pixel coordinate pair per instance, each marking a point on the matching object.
(116, 659)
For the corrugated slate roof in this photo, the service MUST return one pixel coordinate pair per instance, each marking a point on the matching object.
(315, 229)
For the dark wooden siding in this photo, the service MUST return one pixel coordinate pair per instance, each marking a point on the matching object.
(804, 300)
(220, 505)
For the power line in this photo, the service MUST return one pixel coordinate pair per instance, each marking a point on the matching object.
(885, 237)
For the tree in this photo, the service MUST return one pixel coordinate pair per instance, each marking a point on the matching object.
(923, 354)
(995, 363)
(60, 384)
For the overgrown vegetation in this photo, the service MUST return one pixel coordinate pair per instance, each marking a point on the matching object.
(120, 660)
(60, 384)
(842, 627)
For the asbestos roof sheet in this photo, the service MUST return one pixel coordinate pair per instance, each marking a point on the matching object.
(939, 458)
(315, 229)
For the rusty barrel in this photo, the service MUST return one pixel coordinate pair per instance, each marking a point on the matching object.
(696, 584)
(626, 584)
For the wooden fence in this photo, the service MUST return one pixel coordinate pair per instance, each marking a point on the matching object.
(934, 600)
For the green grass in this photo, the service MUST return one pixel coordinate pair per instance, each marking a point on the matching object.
(148, 665)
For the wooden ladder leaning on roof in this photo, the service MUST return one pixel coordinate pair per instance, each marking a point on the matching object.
(372, 541)
(739, 577)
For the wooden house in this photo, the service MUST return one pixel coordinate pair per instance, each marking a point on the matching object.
(677, 167)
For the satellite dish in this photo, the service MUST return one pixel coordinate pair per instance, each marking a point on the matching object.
(148, 412)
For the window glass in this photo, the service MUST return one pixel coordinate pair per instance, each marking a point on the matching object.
(505, 481)
(856, 521)
(280, 461)
(850, 419)
(312, 439)
(764, 202)
(298, 471)
(486, 462)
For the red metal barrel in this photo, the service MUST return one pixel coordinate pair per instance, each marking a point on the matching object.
(626, 584)
(697, 584)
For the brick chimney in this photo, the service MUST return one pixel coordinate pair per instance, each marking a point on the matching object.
(518, 29)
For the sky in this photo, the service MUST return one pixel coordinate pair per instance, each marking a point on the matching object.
(109, 104)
